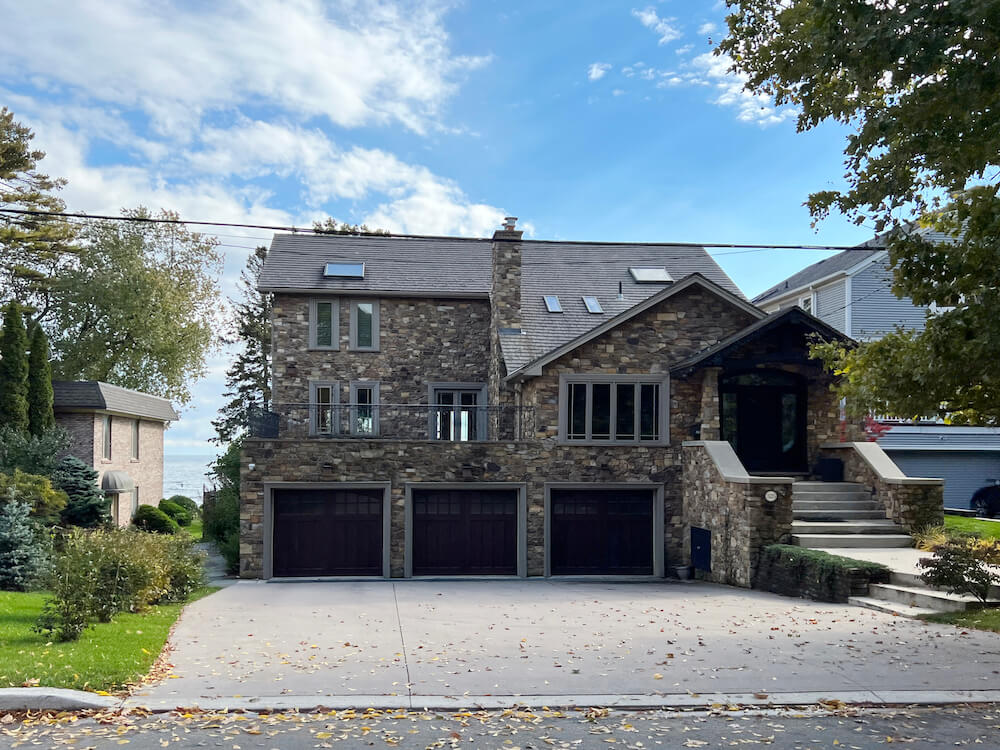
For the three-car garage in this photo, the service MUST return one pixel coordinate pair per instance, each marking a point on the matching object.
(341, 530)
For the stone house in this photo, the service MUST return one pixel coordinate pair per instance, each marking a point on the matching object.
(119, 432)
(503, 407)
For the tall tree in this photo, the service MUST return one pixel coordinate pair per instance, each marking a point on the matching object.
(248, 380)
(87, 506)
(919, 85)
(14, 370)
(32, 247)
(40, 416)
(139, 307)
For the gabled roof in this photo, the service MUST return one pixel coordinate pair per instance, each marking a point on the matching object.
(533, 367)
(86, 395)
(714, 355)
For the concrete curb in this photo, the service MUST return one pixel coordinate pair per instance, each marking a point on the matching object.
(54, 699)
(635, 702)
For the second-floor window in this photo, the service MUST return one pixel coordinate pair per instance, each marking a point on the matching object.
(613, 409)
(324, 408)
(364, 325)
(364, 408)
(135, 439)
(324, 323)
(106, 425)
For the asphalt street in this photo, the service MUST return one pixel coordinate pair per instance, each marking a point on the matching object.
(816, 727)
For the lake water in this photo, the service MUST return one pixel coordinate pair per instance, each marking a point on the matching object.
(184, 474)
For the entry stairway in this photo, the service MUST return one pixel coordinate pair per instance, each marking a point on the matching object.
(841, 515)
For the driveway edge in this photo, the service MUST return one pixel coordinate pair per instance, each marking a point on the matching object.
(883, 698)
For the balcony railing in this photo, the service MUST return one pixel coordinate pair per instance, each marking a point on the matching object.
(393, 422)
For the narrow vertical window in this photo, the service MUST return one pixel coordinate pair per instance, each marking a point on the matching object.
(649, 412)
(324, 405)
(135, 439)
(364, 325)
(600, 420)
(107, 437)
(364, 408)
(323, 324)
(625, 412)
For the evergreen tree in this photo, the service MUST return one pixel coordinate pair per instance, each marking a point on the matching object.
(22, 553)
(14, 370)
(248, 380)
(40, 416)
(87, 506)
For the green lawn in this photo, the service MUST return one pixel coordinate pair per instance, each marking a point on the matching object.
(107, 656)
(985, 529)
(195, 529)
(984, 619)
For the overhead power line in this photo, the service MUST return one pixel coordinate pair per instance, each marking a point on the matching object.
(294, 229)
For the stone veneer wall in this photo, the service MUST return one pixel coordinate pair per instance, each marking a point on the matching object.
(740, 520)
(421, 341)
(400, 462)
(913, 503)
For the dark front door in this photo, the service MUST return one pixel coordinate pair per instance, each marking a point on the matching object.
(601, 532)
(464, 532)
(764, 417)
(327, 532)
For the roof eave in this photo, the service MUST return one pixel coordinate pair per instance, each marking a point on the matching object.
(314, 292)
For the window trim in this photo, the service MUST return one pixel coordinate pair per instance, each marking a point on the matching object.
(314, 386)
(106, 423)
(353, 325)
(334, 324)
(565, 379)
(355, 386)
(812, 303)
(136, 432)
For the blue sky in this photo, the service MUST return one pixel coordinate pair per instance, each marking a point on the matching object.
(588, 120)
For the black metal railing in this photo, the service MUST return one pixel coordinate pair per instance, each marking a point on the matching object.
(393, 422)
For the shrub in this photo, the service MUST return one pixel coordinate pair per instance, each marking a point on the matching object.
(23, 548)
(229, 548)
(34, 454)
(185, 502)
(150, 518)
(36, 491)
(798, 571)
(87, 506)
(969, 566)
(180, 514)
(100, 573)
(222, 517)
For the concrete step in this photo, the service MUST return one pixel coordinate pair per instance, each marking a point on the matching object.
(914, 580)
(841, 515)
(836, 496)
(919, 596)
(855, 541)
(892, 608)
(813, 486)
(875, 526)
(834, 506)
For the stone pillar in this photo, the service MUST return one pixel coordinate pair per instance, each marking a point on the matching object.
(711, 406)
(505, 308)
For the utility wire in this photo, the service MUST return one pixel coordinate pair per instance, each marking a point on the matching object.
(279, 228)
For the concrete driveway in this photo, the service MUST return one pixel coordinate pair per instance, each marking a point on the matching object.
(433, 643)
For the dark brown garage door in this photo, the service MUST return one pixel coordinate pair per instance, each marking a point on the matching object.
(327, 532)
(464, 532)
(601, 532)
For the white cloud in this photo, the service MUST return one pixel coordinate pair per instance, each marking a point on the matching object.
(597, 70)
(707, 28)
(353, 62)
(618, 92)
(662, 27)
(713, 70)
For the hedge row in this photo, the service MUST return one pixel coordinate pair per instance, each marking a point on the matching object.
(811, 574)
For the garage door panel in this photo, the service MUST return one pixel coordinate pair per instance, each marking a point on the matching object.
(601, 532)
(327, 532)
(464, 532)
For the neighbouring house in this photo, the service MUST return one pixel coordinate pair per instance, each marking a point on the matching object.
(852, 291)
(119, 432)
(504, 407)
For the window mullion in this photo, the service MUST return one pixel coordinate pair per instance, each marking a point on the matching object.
(613, 426)
(637, 405)
(590, 412)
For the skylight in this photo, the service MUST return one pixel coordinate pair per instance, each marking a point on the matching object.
(345, 270)
(593, 306)
(646, 275)
(552, 303)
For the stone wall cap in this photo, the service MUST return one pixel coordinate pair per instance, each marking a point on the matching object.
(728, 464)
(883, 466)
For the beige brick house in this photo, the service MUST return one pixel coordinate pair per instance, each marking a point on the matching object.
(120, 433)
(504, 407)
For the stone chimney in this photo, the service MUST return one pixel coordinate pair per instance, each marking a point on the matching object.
(505, 289)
